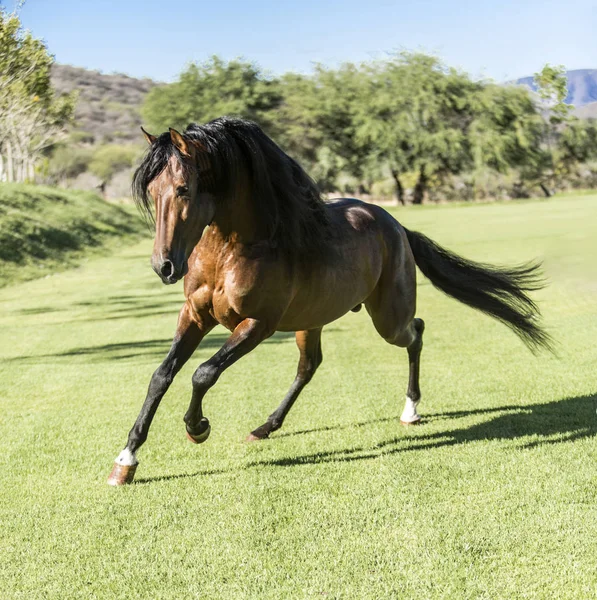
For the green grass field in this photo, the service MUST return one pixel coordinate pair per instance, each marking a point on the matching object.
(494, 496)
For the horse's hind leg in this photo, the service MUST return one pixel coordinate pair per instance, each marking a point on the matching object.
(413, 393)
(309, 345)
(392, 309)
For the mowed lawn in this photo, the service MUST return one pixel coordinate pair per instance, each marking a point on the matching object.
(493, 496)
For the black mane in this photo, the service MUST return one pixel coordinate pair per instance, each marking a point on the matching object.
(285, 198)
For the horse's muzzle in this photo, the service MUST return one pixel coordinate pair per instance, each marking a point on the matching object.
(169, 272)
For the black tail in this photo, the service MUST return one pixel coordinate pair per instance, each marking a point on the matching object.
(496, 291)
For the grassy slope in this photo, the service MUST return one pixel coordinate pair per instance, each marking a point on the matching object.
(493, 497)
(45, 229)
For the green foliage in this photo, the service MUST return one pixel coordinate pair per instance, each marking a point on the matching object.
(506, 129)
(66, 162)
(553, 164)
(111, 158)
(21, 53)
(552, 89)
(32, 116)
(297, 117)
(209, 90)
(416, 116)
(410, 119)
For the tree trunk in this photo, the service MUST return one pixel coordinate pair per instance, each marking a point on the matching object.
(420, 187)
(399, 188)
(1, 167)
(20, 178)
(9, 163)
(548, 193)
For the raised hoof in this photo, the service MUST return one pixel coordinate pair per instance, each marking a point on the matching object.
(122, 474)
(261, 433)
(409, 423)
(202, 435)
(255, 438)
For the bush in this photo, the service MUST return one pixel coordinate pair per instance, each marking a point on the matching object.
(111, 158)
(67, 162)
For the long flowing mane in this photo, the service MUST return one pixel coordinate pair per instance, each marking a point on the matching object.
(286, 200)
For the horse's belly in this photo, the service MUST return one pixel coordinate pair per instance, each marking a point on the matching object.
(331, 293)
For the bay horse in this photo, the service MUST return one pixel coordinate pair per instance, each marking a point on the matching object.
(260, 251)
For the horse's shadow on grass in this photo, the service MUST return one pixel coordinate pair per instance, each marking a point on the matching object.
(143, 349)
(534, 426)
(112, 308)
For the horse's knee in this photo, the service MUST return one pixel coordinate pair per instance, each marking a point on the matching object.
(162, 376)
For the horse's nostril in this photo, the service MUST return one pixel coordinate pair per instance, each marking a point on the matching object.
(167, 268)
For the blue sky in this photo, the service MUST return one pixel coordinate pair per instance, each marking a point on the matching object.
(502, 40)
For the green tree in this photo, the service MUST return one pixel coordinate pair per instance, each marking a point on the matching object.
(577, 144)
(206, 91)
(416, 118)
(32, 117)
(295, 120)
(506, 131)
(552, 89)
(316, 122)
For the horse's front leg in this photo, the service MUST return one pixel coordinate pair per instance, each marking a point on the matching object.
(247, 336)
(189, 333)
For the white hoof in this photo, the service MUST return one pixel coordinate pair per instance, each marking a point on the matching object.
(409, 415)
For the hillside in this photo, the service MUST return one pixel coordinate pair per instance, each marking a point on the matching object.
(108, 105)
(582, 86)
(44, 229)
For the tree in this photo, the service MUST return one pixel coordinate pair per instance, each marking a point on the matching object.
(416, 118)
(506, 131)
(316, 122)
(32, 117)
(552, 89)
(206, 91)
(296, 123)
(577, 144)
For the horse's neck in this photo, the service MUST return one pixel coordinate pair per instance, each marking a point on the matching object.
(236, 220)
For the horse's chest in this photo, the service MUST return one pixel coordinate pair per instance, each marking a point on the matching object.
(233, 297)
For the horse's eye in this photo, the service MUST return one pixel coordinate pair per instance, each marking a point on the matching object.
(181, 190)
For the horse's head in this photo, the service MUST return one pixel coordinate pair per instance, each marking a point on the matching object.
(170, 174)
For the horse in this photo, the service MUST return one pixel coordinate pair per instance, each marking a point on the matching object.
(261, 251)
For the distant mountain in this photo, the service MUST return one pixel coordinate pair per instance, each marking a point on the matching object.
(588, 111)
(108, 105)
(582, 86)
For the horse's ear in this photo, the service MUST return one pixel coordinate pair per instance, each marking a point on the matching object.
(150, 138)
(180, 142)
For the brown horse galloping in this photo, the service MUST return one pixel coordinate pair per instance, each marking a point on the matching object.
(260, 251)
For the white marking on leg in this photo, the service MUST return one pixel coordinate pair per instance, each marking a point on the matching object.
(127, 458)
(410, 414)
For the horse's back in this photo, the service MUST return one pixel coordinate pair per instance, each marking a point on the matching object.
(368, 247)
